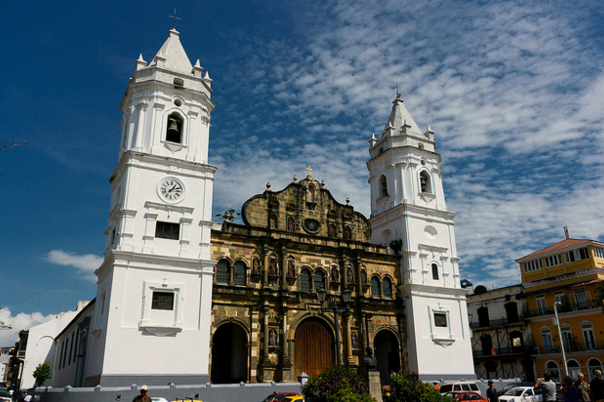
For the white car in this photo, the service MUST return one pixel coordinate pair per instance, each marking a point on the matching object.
(521, 394)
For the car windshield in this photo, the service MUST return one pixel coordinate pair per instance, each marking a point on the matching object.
(515, 392)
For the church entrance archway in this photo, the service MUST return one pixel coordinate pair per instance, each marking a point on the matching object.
(314, 348)
(386, 351)
(229, 354)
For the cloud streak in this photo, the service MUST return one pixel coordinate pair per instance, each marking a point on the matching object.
(85, 265)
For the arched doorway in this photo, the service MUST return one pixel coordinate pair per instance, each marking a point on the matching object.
(386, 351)
(314, 348)
(229, 354)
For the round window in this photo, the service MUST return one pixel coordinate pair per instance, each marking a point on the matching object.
(312, 225)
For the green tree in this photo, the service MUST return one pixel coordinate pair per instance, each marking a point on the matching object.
(409, 388)
(42, 373)
(337, 384)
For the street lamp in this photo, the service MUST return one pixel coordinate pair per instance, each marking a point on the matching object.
(556, 304)
(336, 309)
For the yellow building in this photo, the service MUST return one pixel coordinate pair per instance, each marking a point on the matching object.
(564, 276)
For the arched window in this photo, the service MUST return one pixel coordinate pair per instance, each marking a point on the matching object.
(375, 286)
(305, 280)
(174, 128)
(387, 288)
(222, 271)
(553, 368)
(592, 365)
(424, 180)
(573, 368)
(239, 273)
(435, 271)
(319, 280)
(383, 186)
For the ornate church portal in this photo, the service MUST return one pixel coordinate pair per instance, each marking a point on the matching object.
(314, 348)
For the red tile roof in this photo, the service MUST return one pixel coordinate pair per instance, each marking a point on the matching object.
(566, 243)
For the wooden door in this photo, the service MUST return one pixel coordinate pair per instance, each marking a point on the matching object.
(314, 348)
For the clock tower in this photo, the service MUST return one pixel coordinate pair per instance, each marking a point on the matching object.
(155, 285)
(408, 211)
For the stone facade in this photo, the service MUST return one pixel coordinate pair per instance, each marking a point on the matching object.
(292, 243)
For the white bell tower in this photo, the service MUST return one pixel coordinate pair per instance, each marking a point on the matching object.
(155, 285)
(408, 211)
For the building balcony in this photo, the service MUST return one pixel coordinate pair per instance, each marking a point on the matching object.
(564, 308)
(20, 354)
(574, 347)
(501, 351)
(496, 323)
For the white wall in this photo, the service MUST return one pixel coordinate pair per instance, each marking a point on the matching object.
(41, 345)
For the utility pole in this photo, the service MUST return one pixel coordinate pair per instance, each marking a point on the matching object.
(556, 304)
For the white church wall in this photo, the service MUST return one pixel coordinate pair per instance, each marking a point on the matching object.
(41, 345)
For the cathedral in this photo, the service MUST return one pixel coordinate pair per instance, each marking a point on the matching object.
(303, 282)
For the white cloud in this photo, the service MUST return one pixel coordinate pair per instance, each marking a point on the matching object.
(84, 264)
(21, 321)
(513, 91)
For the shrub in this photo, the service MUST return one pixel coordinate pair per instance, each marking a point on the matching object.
(409, 388)
(337, 384)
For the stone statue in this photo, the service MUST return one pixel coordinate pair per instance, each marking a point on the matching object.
(273, 267)
(369, 361)
(335, 277)
(256, 266)
(291, 269)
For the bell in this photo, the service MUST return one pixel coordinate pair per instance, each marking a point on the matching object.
(173, 127)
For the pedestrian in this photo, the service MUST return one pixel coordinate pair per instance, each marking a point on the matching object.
(143, 396)
(548, 388)
(570, 392)
(492, 394)
(583, 388)
(597, 387)
(436, 387)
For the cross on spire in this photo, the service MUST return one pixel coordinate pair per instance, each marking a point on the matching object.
(175, 18)
(309, 169)
(397, 94)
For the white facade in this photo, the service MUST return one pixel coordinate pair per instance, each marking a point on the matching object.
(408, 204)
(41, 344)
(155, 286)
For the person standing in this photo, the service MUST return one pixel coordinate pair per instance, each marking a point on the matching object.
(492, 394)
(569, 390)
(597, 387)
(583, 388)
(143, 396)
(548, 388)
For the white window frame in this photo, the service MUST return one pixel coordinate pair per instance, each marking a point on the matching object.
(553, 260)
(541, 305)
(589, 337)
(147, 322)
(533, 265)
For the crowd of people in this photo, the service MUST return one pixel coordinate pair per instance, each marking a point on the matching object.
(572, 391)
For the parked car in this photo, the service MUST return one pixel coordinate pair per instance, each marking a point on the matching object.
(279, 396)
(5, 397)
(511, 385)
(298, 398)
(459, 386)
(467, 396)
(521, 394)
(158, 399)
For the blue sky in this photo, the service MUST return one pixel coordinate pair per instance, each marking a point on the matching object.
(513, 90)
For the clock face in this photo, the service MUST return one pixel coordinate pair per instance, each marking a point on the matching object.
(171, 189)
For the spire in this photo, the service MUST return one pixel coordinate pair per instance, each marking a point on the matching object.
(172, 55)
(399, 117)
